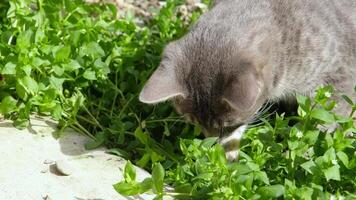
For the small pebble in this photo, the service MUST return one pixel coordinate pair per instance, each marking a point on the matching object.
(63, 167)
(48, 162)
(47, 198)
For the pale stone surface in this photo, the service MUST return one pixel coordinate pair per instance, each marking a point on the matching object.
(28, 168)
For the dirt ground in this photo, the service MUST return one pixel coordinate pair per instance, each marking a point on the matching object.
(145, 9)
(35, 166)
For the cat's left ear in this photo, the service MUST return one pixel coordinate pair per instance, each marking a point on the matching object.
(242, 94)
(161, 86)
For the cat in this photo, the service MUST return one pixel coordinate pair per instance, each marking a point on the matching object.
(244, 53)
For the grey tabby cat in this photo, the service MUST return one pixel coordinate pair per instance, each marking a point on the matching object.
(243, 53)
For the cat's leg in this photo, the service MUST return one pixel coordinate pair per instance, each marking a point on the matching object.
(231, 143)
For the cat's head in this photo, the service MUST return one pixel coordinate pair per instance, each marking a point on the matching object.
(210, 83)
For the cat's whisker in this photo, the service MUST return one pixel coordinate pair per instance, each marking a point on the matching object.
(255, 125)
(263, 112)
(264, 108)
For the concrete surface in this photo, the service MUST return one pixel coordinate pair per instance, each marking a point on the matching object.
(28, 169)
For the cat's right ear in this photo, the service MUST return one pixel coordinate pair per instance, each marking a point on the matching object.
(161, 86)
(242, 94)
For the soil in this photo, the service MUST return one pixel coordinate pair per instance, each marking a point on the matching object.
(35, 166)
(146, 9)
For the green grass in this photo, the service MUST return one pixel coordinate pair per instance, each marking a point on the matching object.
(288, 157)
(80, 65)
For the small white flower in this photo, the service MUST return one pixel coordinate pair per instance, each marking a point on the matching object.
(334, 162)
(349, 134)
(328, 94)
(299, 134)
(333, 197)
(309, 153)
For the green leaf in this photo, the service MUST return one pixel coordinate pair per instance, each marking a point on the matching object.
(239, 169)
(209, 142)
(9, 69)
(40, 36)
(58, 70)
(21, 91)
(72, 65)
(344, 158)
(57, 112)
(347, 99)
(37, 62)
(304, 102)
(158, 177)
(329, 140)
(144, 160)
(92, 49)
(8, 105)
(322, 115)
(89, 74)
(128, 188)
(21, 123)
(27, 69)
(311, 137)
(273, 191)
(26, 86)
(218, 155)
(305, 193)
(56, 83)
(24, 40)
(101, 66)
(329, 155)
(129, 172)
(62, 53)
(141, 136)
(204, 176)
(29, 84)
(146, 185)
(309, 166)
(261, 176)
(332, 173)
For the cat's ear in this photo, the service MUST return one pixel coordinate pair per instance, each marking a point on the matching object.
(161, 86)
(242, 93)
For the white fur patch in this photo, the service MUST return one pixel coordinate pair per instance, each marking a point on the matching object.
(232, 155)
(235, 135)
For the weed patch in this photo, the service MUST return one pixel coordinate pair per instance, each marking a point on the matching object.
(84, 67)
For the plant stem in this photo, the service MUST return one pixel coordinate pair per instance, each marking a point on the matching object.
(96, 121)
(84, 130)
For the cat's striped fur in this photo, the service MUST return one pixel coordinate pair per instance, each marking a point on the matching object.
(243, 53)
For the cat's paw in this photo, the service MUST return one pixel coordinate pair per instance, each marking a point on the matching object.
(231, 143)
(232, 156)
